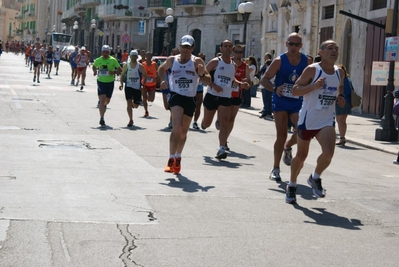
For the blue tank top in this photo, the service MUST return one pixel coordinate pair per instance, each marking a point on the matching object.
(288, 74)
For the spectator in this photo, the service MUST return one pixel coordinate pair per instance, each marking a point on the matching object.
(342, 112)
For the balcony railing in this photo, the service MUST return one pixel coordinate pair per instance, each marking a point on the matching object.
(90, 2)
(108, 11)
(191, 2)
(159, 3)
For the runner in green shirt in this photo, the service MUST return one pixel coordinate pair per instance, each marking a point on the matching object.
(105, 67)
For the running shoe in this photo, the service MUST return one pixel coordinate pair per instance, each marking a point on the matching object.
(72, 82)
(77, 83)
(102, 122)
(318, 190)
(290, 196)
(169, 166)
(98, 103)
(81, 87)
(221, 154)
(170, 126)
(226, 147)
(396, 162)
(195, 125)
(56, 73)
(48, 76)
(217, 125)
(130, 124)
(177, 166)
(38, 80)
(287, 156)
(34, 78)
(275, 175)
(146, 114)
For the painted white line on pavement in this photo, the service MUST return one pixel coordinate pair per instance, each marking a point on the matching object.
(16, 100)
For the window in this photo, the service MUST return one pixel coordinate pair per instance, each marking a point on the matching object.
(328, 12)
(378, 4)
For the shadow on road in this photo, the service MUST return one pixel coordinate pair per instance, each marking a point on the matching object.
(325, 218)
(220, 163)
(186, 184)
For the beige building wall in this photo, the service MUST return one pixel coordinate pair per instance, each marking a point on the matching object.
(9, 25)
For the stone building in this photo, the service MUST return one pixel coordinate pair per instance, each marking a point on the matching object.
(10, 29)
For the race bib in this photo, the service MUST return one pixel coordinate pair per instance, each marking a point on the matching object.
(223, 80)
(150, 79)
(325, 101)
(183, 84)
(103, 72)
(133, 79)
(287, 92)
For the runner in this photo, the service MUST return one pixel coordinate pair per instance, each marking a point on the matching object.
(81, 60)
(218, 95)
(106, 66)
(57, 58)
(183, 88)
(321, 85)
(74, 71)
(38, 55)
(27, 55)
(287, 68)
(150, 85)
(49, 60)
(134, 73)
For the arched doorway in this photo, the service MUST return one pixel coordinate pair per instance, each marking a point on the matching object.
(197, 37)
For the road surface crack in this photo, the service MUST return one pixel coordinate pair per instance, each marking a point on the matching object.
(129, 247)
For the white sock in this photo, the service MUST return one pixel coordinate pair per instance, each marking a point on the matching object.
(171, 156)
(315, 176)
(292, 184)
(177, 155)
(221, 147)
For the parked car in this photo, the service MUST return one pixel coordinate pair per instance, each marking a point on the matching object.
(159, 60)
(66, 51)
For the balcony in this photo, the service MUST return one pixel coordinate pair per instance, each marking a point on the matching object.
(90, 3)
(159, 6)
(115, 12)
(190, 6)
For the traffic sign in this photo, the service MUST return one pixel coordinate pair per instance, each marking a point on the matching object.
(380, 73)
(125, 38)
(391, 48)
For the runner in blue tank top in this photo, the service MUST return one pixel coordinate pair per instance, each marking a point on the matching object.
(286, 69)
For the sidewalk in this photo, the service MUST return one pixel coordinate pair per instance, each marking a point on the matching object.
(361, 129)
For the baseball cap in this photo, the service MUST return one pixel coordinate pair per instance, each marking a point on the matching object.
(106, 48)
(57, 46)
(83, 48)
(134, 53)
(187, 40)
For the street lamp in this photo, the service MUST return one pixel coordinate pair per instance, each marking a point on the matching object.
(54, 27)
(63, 27)
(387, 130)
(76, 27)
(245, 9)
(169, 20)
(93, 28)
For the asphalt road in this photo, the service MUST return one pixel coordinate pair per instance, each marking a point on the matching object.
(75, 194)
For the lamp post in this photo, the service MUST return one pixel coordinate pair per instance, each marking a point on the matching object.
(93, 28)
(76, 27)
(63, 27)
(169, 20)
(387, 130)
(245, 9)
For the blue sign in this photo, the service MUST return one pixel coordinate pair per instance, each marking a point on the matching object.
(141, 27)
(391, 48)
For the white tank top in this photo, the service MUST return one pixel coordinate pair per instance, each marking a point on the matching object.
(81, 60)
(223, 76)
(183, 78)
(133, 76)
(38, 55)
(57, 55)
(318, 107)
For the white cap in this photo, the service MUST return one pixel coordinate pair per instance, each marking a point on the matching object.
(83, 48)
(134, 53)
(57, 46)
(106, 48)
(187, 40)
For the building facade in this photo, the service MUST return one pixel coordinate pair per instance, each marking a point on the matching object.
(10, 29)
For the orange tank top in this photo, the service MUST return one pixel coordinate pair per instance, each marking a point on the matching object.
(151, 73)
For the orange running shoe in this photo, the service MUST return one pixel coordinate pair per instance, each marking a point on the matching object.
(170, 165)
(177, 166)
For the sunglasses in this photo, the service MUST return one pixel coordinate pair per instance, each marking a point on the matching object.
(186, 46)
(292, 44)
(239, 52)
